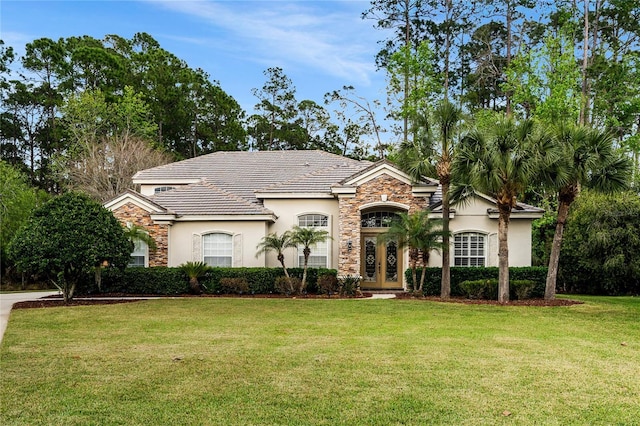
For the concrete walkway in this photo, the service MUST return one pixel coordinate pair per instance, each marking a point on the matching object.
(8, 299)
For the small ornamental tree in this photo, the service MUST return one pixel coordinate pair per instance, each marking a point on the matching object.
(67, 238)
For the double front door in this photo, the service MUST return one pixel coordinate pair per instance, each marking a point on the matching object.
(381, 263)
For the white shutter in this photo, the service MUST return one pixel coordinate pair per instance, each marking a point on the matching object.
(492, 255)
(196, 250)
(237, 250)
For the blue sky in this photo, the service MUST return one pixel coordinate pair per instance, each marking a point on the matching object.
(320, 45)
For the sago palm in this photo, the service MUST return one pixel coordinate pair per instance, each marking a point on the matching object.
(307, 237)
(195, 271)
(588, 159)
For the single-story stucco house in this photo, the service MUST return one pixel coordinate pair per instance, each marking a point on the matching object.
(216, 208)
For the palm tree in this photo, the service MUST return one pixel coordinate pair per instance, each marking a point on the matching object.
(502, 165)
(433, 154)
(588, 159)
(421, 234)
(307, 237)
(277, 243)
(139, 233)
(195, 271)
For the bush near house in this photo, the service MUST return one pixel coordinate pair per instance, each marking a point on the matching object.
(488, 289)
(536, 274)
(168, 281)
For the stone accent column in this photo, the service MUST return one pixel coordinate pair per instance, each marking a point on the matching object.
(369, 192)
(130, 213)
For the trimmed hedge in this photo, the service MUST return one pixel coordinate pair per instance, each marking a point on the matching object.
(432, 283)
(488, 289)
(167, 281)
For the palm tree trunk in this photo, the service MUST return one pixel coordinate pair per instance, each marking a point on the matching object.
(445, 289)
(503, 254)
(425, 262)
(554, 258)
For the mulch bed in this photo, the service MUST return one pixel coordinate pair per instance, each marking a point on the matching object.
(525, 302)
(84, 300)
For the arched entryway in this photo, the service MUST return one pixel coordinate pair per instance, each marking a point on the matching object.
(381, 260)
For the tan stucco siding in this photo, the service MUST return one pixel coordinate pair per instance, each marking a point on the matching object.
(185, 238)
(288, 211)
(473, 217)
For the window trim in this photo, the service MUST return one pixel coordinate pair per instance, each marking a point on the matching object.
(204, 255)
(328, 227)
(485, 248)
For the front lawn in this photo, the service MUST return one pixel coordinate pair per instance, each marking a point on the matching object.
(287, 361)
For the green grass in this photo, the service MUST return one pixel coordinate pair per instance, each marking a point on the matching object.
(276, 362)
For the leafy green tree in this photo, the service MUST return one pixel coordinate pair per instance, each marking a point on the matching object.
(278, 244)
(307, 237)
(67, 238)
(503, 164)
(433, 154)
(601, 245)
(588, 160)
(273, 126)
(421, 234)
(17, 201)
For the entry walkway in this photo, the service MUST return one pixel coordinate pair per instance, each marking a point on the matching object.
(8, 299)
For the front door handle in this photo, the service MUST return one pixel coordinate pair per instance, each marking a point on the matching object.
(379, 269)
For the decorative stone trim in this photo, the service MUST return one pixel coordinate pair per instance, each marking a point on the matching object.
(132, 213)
(384, 187)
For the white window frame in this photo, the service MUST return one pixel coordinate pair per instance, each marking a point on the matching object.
(468, 254)
(213, 251)
(315, 220)
(140, 250)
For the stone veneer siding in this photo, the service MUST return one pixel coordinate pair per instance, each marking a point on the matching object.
(160, 233)
(369, 192)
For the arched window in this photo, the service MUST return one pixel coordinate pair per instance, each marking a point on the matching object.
(377, 219)
(217, 250)
(469, 249)
(319, 257)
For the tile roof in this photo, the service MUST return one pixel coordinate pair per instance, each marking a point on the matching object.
(206, 199)
(226, 182)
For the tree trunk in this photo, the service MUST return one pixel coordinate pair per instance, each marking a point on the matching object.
(503, 254)
(303, 283)
(286, 273)
(425, 262)
(445, 289)
(413, 261)
(554, 258)
(582, 120)
(195, 285)
(509, 19)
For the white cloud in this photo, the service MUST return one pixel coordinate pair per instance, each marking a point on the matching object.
(318, 35)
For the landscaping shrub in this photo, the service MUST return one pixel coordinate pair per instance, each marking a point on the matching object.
(480, 289)
(537, 274)
(601, 245)
(521, 289)
(349, 285)
(328, 284)
(287, 286)
(163, 280)
(158, 280)
(234, 286)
